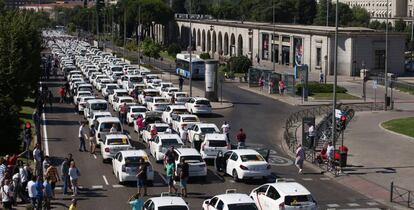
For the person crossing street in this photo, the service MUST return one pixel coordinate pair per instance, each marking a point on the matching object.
(241, 139)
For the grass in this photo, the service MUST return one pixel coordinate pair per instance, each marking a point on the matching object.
(26, 112)
(403, 126)
(340, 96)
(167, 56)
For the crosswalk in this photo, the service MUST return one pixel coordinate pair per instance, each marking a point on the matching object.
(369, 205)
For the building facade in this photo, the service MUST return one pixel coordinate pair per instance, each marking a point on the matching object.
(291, 45)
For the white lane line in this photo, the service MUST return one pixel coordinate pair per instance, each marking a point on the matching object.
(80, 187)
(163, 178)
(95, 156)
(105, 180)
(307, 179)
(333, 205)
(58, 188)
(117, 186)
(46, 146)
(353, 205)
(372, 203)
(97, 187)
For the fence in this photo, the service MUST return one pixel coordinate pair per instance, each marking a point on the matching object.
(401, 196)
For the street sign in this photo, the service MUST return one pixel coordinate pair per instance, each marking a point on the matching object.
(375, 84)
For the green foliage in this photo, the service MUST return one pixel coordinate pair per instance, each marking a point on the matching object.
(71, 27)
(239, 64)
(178, 6)
(205, 56)
(316, 87)
(173, 49)
(151, 48)
(356, 16)
(2, 5)
(400, 26)
(361, 17)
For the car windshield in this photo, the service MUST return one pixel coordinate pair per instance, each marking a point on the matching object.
(242, 206)
(181, 95)
(122, 94)
(106, 126)
(117, 141)
(247, 158)
(135, 79)
(139, 109)
(116, 69)
(99, 116)
(169, 142)
(208, 130)
(180, 111)
(189, 119)
(203, 102)
(151, 93)
(183, 99)
(297, 200)
(192, 158)
(85, 89)
(160, 100)
(217, 143)
(127, 100)
(111, 87)
(172, 207)
(99, 106)
(161, 129)
(133, 161)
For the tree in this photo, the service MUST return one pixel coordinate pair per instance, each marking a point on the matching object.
(361, 17)
(400, 26)
(205, 56)
(178, 6)
(151, 48)
(305, 11)
(173, 49)
(239, 64)
(2, 6)
(320, 18)
(375, 24)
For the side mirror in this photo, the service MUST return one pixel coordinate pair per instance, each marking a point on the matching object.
(207, 202)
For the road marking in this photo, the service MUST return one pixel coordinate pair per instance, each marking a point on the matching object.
(353, 205)
(80, 187)
(117, 186)
(372, 203)
(307, 179)
(97, 187)
(58, 188)
(333, 205)
(105, 180)
(46, 146)
(95, 156)
(325, 179)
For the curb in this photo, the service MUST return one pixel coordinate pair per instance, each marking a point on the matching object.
(231, 105)
(393, 132)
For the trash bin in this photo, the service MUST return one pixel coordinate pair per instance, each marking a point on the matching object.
(343, 159)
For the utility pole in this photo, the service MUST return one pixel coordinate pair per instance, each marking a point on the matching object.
(190, 48)
(386, 60)
(327, 13)
(273, 39)
(139, 33)
(124, 32)
(335, 77)
(412, 36)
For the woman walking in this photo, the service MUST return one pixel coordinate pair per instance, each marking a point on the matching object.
(74, 175)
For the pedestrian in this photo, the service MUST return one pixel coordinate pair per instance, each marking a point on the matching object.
(271, 86)
(169, 156)
(300, 158)
(184, 173)
(241, 139)
(53, 175)
(330, 152)
(261, 83)
(48, 193)
(39, 192)
(321, 77)
(311, 134)
(184, 134)
(225, 128)
(172, 99)
(170, 172)
(92, 141)
(7, 195)
(64, 170)
(27, 135)
(37, 157)
(258, 59)
(123, 109)
(153, 132)
(62, 93)
(73, 205)
(31, 189)
(140, 124)
(181, 83)
(45, 165)
(67, 89)
(114, 128)
(142, 176)
(50, 99)
(15, 187)
(282, 87)
(82, 136)
(24, 178)
(3, 169)
(135, 202)
(169, 129)
(74, 176)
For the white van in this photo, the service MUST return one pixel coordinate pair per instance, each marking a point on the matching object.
(104, 124)
(96, 105)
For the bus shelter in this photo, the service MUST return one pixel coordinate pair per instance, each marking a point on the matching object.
(271, 80)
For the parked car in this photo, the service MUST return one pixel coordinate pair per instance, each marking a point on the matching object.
(125, 165)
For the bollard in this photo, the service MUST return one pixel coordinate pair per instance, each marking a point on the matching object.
(391, 191)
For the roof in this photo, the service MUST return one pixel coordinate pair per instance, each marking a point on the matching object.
(187, 151)
(187, 115)
(116, 135)
(160, 124)
(186, 57)
(84, 91)
(232, 198)
(137, 106)
(120, 90)
(291, 188)
(168, 200)
(200, 98)
(245, 151)
(133, 153)
(101, 113)
(207, 125)
(169, 136)
(109, 119)
(97, 101)
(125, 97)
(151, 90)
(215, 136)
(177, 106)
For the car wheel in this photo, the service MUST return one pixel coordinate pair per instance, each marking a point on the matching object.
(235, 176)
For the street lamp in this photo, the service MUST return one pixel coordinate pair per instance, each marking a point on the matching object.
(335, 76)
(386, 60)
(190, 49)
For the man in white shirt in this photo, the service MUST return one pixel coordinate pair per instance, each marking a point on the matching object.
(312, 134)
(169, 129)
(82, 136)
(6, 195)
(37, 156)
(226, 130)
(31, 189)
(183, 134)
(330, 150)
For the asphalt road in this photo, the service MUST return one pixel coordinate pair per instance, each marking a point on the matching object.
(262, 119)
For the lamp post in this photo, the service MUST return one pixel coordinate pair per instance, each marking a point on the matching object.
(191, 56)
(139, 36)
(386, 60)
(335, 77)
(412, 36)
(273, 39)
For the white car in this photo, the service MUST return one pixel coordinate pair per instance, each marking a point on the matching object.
(125, 165)
(117, 93)
(165, 203)
(95, 105)
(157, 104)
(146, 133)
(96, 115)
(230, 201)
(186, 120)
(245, 163)
(201, 129)
(146, 94)
(109, 89)
(82, 103)
(101, 83)
(79, 94)
(84, 87)
(121, 100)
(169, 92)
(149, 77)
(103, 126)
(173, 110)
(199, 106)
(285, 195)
(162, 143)
(112, 144)
(164, 85)
(133, 112)
(212, 144)
(197, 166)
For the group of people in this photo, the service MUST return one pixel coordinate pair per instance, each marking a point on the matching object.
(281, 86)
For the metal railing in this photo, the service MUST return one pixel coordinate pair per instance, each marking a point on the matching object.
(401, 196)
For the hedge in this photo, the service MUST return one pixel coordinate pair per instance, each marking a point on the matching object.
(316, 87)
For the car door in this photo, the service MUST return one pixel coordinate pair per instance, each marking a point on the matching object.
(260, 195)
(228, 166)
(220, 205)
(115, 162)
(269, 200)
(149, 205)
(212, 204)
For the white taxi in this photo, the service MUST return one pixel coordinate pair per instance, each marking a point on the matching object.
(162, 143)
(212, 144)
(157, 104)
(245, 163)
(133, 112)
(112, 144)
(284, 195)
(125, 165)
(165, 203)
(230, 201)
(186, 120)
(197, 166)
(201, 129)
(198, 105)
(146, 133)
(172, 110)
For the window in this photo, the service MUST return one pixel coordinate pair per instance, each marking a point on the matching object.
(213, 201)
(234, 157)
(318, 56)
(220, 205)
(272, 193)
(262, 189)
(379, 59)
